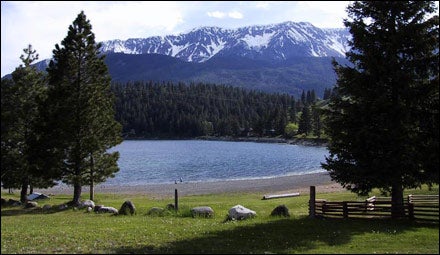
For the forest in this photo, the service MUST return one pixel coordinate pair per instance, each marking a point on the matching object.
(179, 110)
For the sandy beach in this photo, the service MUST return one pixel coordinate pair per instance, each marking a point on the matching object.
(268, 186)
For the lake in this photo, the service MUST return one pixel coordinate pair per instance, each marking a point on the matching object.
(165, 161)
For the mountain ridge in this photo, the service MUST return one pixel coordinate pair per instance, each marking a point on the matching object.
(286, 57)
(278, 41)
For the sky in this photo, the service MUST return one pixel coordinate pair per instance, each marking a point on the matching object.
(44, 24)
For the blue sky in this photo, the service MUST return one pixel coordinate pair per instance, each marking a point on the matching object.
(44, 24)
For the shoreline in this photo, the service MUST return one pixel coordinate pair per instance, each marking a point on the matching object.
(266, 186)
(296, 141)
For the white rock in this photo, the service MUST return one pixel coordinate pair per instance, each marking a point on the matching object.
(108, 209)
(239, 212)
(87, 203)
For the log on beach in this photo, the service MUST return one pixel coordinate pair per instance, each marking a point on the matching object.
(265, 197)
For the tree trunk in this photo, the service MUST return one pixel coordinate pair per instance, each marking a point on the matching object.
(397, 209)
(92, 191)
(31, 188)
(76, 193)
(24, 186)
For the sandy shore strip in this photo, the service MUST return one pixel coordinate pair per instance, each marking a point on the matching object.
(267, 186)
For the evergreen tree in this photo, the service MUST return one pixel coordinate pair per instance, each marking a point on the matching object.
(10, 156)
(305, 121)
(20, 116)
(327, 93)
(383, 120)
(313, 96)
(81, 109)
(309, 99)
(316, 121)
(293, 111)
(303, 98)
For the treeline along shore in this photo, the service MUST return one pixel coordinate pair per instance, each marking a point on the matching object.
(298, 141)
(151, 110)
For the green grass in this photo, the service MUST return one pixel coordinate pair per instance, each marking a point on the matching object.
(75, 231)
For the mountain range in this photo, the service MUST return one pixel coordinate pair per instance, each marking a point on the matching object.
(271, 42)
(288, 57)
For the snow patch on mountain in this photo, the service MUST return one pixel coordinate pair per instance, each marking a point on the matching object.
(258, 41)
(271, 42)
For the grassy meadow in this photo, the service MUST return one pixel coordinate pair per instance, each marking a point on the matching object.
(76, 231)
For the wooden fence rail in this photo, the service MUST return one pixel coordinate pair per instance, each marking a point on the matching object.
(424, 207)
(417, 207)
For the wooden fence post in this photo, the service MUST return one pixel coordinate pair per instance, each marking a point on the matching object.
(312, 202)
(176, 200)
(410, 207)
(411, 211)
(345, 209)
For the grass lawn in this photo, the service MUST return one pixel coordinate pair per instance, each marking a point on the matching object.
(76, 231)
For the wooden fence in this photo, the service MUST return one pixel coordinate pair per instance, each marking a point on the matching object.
(416, 207)
(423, 207)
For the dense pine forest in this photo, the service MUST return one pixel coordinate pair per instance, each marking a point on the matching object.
(179, 110)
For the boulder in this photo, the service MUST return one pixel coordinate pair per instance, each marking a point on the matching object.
(13, 202)
(63, 207)
(47, 207)
(96, 208)
(156, 211)
(239, 212)
(30, 204)
(127, 208)
(170, 207)
(108, 209)
(281, 210)
(87, 203)
(204, 211)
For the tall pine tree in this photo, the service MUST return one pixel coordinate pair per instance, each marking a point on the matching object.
(383, 120)
(81, 109)
(20, 118)
(305, 121)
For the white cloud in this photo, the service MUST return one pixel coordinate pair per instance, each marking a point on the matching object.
(216, 14)
(262, 5)
(221, 15)
(235, 15)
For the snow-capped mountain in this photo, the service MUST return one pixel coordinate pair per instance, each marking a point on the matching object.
(270, 42)
(287, 58)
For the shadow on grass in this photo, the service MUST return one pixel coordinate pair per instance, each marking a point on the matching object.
(278, 236)
(20, 210)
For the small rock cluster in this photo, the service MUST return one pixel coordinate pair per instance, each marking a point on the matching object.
(127, 208)
(237, 212)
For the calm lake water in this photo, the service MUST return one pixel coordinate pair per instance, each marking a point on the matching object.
(150, 162)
